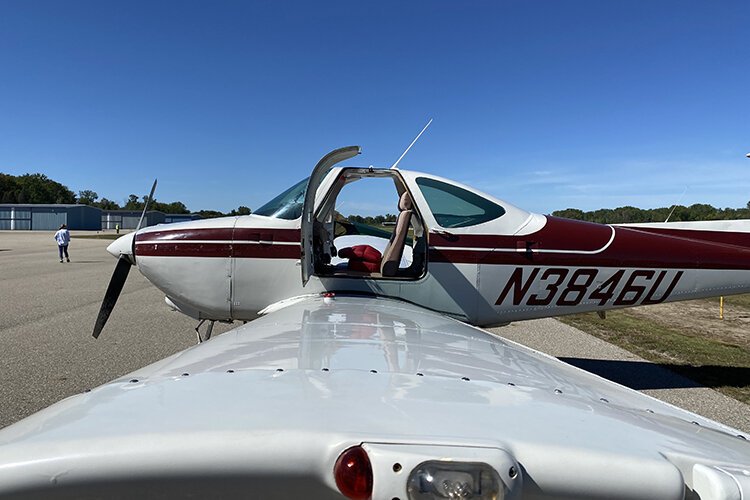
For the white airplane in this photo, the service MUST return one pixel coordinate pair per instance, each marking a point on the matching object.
(361, 373)
(470, 256)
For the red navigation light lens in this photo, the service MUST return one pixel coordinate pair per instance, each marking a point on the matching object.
(353, 474)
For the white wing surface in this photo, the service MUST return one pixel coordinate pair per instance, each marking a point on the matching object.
(265, 410)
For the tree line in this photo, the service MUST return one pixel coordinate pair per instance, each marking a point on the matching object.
(39, 189)
(377, 220)
(621, 215)
(627, 214)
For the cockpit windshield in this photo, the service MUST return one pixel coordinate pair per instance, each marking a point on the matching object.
(287, 205)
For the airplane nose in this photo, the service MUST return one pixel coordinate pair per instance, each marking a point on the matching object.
(122, 245)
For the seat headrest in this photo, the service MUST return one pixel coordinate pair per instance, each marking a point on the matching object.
(404, 203)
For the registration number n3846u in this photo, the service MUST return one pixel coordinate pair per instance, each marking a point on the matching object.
(565, 287)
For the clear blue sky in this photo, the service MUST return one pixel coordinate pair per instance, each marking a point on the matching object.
(547, 104)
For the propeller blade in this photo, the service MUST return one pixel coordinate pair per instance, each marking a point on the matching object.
(113, 292)
(140, 221)
(145, 205)
(121, 269)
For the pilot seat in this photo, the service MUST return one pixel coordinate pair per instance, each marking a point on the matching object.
(367, 259)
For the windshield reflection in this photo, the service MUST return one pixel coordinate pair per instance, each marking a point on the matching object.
(287, 205)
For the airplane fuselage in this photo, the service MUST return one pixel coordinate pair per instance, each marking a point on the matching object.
(233, 268)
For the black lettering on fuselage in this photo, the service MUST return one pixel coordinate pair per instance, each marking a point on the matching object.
(641, 287)
(519, 287)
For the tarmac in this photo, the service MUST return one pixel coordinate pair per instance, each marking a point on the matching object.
(48, 309)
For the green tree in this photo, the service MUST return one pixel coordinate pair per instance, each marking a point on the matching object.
(209, 214)
(569, 213)
(106, 204)
(176, 207)
(701, 211)
(241, 210)
(87, 197)
(38, 188)
(695, 212)
(132, 203)
(8, 189)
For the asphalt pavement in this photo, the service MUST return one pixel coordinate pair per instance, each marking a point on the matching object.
(47, 313)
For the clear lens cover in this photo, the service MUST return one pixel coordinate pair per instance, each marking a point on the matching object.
(435, 480)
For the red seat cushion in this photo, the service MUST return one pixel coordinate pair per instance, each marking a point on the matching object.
(363, 266)
(363, 258)
(364, 253)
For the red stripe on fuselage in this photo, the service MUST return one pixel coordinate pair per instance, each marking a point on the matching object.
(267, 251)
(280, 235)
(245, 243)
(222, 234)
(183, 250)
(630, 248)
(557, 233)
(238, 250)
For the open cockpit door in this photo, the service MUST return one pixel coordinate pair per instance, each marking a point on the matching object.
(317, 176)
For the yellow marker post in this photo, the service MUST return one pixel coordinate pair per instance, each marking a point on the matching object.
(721, 307)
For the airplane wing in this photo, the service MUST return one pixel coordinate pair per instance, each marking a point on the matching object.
(436, 407)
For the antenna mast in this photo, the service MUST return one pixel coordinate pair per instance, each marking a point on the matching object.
(395, 165)
(675, 205)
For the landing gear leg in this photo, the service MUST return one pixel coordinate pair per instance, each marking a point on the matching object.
(209, 330)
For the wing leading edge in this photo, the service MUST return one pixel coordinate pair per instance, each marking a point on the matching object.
(269, 406)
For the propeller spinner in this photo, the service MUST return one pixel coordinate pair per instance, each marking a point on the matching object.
(124, 249)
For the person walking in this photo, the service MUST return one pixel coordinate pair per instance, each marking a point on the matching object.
(63, 240)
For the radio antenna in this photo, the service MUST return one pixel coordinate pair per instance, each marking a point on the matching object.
(676, 204)
(395, 165)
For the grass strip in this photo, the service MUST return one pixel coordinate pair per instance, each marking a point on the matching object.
(709, 362)
(742, 301)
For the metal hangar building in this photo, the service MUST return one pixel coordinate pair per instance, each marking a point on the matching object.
(33, 217)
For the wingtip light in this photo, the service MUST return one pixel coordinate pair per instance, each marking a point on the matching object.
(353, 473)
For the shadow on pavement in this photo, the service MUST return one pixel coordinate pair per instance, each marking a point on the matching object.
(642, 375)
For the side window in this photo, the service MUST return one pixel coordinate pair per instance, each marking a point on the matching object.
(455, 207)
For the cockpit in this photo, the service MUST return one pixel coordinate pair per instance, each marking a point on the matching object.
(392, 246)
(450, 205)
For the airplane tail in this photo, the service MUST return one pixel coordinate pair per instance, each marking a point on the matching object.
(727, 232)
